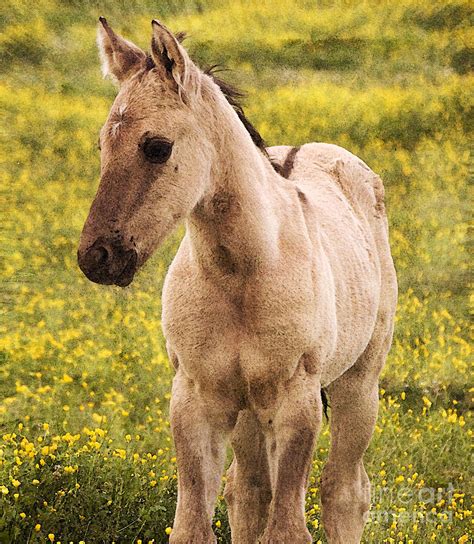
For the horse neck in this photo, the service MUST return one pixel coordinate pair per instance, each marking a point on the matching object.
(236, 225)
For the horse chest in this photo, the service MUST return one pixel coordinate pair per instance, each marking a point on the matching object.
(266, 328)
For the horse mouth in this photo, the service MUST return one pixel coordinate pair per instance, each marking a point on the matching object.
(126, 276)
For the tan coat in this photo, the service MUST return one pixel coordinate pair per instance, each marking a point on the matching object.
(279, 287)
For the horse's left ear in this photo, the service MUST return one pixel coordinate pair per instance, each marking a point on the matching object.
(172, 60)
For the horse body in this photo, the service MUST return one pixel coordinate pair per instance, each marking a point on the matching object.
(243, 335)
(317, 297)
(281, 285)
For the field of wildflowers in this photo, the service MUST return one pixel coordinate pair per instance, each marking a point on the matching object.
(85, 449)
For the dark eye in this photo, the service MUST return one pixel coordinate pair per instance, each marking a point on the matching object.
(157, 150)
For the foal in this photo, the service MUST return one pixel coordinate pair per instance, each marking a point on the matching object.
(283, 284)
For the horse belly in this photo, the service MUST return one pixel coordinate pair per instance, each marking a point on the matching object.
(355, 271)
(346, 275)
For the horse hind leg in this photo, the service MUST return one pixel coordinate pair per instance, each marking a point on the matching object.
(345, 486)
(248, 490)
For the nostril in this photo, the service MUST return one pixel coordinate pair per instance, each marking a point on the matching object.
(100, 255)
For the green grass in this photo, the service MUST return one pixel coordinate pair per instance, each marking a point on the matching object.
(85, 447)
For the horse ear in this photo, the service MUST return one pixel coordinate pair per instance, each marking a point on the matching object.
(172, 60)
(120, 58)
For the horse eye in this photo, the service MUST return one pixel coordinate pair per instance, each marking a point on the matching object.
(157, 150)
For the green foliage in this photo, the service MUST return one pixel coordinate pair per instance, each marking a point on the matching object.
(85, 448)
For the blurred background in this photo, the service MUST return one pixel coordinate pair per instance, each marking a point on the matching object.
(85, 449)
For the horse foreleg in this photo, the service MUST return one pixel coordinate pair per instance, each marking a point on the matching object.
(200, 434)
(248, 491)
(290, 443)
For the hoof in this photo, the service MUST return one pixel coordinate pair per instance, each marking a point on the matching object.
(273, 536)
(194, 537)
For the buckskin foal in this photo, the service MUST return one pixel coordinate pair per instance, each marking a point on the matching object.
(283, 284)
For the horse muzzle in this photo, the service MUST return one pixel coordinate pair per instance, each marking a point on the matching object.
(108, 262)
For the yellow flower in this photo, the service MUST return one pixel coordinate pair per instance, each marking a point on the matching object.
(51, 537)
(463, 539)
(22, 515)
(218, 523)
(427, 401)
(4, 490)
(38, 527)
(168, 530)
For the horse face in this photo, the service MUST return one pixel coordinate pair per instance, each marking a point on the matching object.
(154, 156)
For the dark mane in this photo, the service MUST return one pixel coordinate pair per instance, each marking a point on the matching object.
(234, 96)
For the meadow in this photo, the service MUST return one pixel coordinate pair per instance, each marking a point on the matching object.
(86, 454)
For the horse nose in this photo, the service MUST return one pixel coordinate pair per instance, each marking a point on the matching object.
(100, 255)
(108, 262)
(95, 262)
